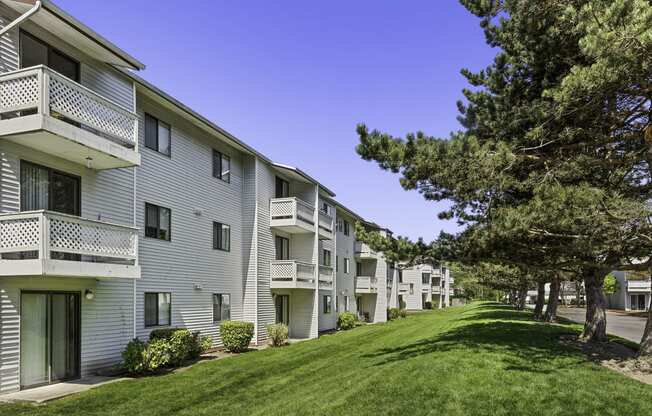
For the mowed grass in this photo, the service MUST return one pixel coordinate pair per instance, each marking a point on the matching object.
(482, 359)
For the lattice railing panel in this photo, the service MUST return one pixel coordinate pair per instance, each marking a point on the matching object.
(91, 238)
(21, 234)
(19, 92)
(282, 208)
(81, 105)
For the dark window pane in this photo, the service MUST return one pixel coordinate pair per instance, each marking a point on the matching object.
(151, 309)
(151, 221)
(217, 164)
(217, 308)
(32, 51)
(65, 194)
(64, 65)
(225, 172)
(151, 132)
(282, 188)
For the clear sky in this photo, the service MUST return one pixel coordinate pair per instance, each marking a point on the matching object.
(293, 78)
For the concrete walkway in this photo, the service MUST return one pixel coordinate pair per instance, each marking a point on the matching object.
(57, 391)
(618, 323)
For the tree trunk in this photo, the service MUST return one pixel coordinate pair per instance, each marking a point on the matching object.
(553, 300)
(541, 300)
(645, 351)
(522, 296)
(595, 326)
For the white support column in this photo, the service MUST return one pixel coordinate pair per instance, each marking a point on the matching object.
(447, 298)
(314, 330)
(441, 276)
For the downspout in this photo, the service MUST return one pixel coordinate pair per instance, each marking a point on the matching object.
(22, 18)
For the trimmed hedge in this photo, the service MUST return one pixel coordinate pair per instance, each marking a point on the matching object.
(167, 347)
(346, 320)
(236, 335)
(427, 305)
(278, 334)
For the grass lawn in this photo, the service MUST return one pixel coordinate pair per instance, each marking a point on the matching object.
(482, 359)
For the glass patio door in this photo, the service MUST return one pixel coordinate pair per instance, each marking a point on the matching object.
(282, 309)
(49, 337)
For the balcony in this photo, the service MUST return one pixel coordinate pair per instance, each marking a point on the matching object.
(436, 289)
(325, 277)
(366, 284)
(292, 215)
(325, 226)
(403, 288)
(364, 252)
(44, 243)
(292, 274)
(43, 110)
(638, 286)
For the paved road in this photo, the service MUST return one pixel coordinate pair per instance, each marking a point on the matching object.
(624, 326)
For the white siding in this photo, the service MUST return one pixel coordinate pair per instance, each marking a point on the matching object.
(8, 42)
(184, 184)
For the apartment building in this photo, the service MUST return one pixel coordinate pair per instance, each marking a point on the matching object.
(633, 293)
(122, 210)
(423, 283)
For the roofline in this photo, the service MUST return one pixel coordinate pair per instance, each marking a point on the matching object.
(194, 114)
(96, 37)
(305, 176)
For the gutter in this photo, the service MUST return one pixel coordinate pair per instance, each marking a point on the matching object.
(22, 18)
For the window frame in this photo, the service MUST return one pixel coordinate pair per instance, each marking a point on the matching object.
(347, 265)
(220, 296)
(347, 228)
(158, 222)
(158, 324)
(50, 50)
(327, 307)
(219, 173)
(423, 275)
(218, 231)
(51, 172)
(324, 257)
(158, 142)
(283, 241)
(284, 184)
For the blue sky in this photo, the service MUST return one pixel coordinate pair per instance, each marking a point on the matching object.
(293, 78)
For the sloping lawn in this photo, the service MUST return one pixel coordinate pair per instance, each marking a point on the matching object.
(482, 359)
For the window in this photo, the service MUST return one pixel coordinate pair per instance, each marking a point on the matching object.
(157, 135)
(347, 265)
(221, 166)
(34, 51)
(411, 288)
(347, 228)
(282, 248)
(221, 307)
(158, 309)
(326, 257)
(425, 278)
(282, 188)
(45, 188)
(327, 304)
(325, 208)
(400, 276)
(358, 268)
(157, 222)
(337, 263)
(637, 302)
(339, 226)
(346, 303)
(221, 236)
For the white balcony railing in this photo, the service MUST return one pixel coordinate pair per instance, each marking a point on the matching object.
(366, 284)
(292, 274)
(47, 92)
(291, 208)
(403, 287)
(325, 222)
(325, 277)
(638, 285)
(49, 236)
(363, 250)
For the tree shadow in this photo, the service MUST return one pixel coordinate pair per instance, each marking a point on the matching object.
(512, 335)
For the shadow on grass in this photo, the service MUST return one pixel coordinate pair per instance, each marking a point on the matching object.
(512, 336)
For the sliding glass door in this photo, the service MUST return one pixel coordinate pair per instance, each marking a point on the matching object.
(282, 309)
(49, 337)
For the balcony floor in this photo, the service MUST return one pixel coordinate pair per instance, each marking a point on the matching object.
(65, 268)
(67, 141)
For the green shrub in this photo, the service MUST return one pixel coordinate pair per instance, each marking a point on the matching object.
(346, 320)
(402, 313)
(180, 345)
(427, 305)
(163, 333)
(278, 334)
(133, 357)
(156, 355)
(393, 313)
(199, 344)
(236, 335)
